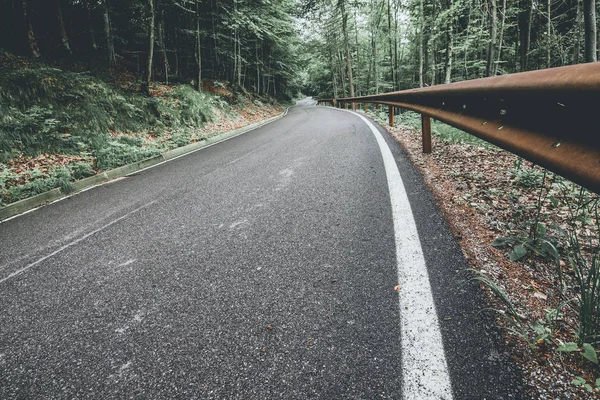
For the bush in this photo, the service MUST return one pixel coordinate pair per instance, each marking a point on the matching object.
(116, 154)
(185, 106)
(82, 169)
(132, 141)
(59, 177)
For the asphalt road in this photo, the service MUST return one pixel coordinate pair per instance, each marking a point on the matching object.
(262, 267)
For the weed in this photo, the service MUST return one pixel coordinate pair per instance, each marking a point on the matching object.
(584, 217)
(535, 240)
(517, 327)
(582, 382)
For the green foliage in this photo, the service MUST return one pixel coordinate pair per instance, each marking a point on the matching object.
(516, 323)
(50, 110)
(581, 382)
(115, 154)
(181, 138)
(59, 177)
(131, 141)
(450, 134)
(585, 266)
(184, 106)
(444, 132)
(80, 170)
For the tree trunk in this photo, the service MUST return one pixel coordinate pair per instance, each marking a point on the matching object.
(333, 75)
(497, 65)
(342, 6)
(148, 72)
(589, 20)
(257, 84)
(198, 48)
(450, 46)
(433, 60)
(396, 34)
(421, 42)
(548, 35)
(64, 40)
(93, 44)
(465, 59)
(391, 44)
(163, 46)
(491, 56)
(34, 50)
(577, 44)
(525, 12)
(239, 63)
(342, 73)
(358, 74)
(110, 47)
(235, 57)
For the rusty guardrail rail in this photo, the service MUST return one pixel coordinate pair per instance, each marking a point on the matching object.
(547, 116)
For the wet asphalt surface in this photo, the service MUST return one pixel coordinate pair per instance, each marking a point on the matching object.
(262, 267)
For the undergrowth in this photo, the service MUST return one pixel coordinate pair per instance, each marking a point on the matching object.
(443, 132)
(45, 110)
(572, 252)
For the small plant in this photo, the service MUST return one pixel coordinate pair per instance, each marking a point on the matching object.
(81, 170)
(582, 382)
(510, 314)
(587, 350)
(534, 238)
(583, 253)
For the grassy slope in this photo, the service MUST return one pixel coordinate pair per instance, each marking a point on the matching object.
(58, 126)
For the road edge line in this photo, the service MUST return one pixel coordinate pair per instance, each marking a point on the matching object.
(424, 366)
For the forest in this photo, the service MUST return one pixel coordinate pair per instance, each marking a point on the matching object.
(376, 46)
(317, 47)
(249, 43)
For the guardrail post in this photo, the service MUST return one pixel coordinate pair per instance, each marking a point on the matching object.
(377, 106)
(347, 106)
(353, 106)
(426, 129)
(365, 107)
(392, 116)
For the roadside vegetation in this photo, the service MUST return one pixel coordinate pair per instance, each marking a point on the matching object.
(58, 126)
(532, 240)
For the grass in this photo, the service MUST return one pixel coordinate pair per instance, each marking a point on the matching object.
(442, 131)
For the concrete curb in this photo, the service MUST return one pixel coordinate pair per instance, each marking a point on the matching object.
(51, 196)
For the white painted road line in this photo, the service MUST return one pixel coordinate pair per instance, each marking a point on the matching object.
(424, 367)
(66, 246)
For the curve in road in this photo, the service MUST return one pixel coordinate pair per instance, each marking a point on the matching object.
(262, 267)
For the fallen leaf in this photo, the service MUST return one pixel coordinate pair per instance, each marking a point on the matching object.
(397, 288)
(540, 295)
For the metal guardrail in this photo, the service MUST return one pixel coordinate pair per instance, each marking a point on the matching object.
(547, 116)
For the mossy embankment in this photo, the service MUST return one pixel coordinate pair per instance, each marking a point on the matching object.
(58, 126)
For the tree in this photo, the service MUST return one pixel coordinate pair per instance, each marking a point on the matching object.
(64, 40)
(34, 50)
(150, 56)
(589, 20)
